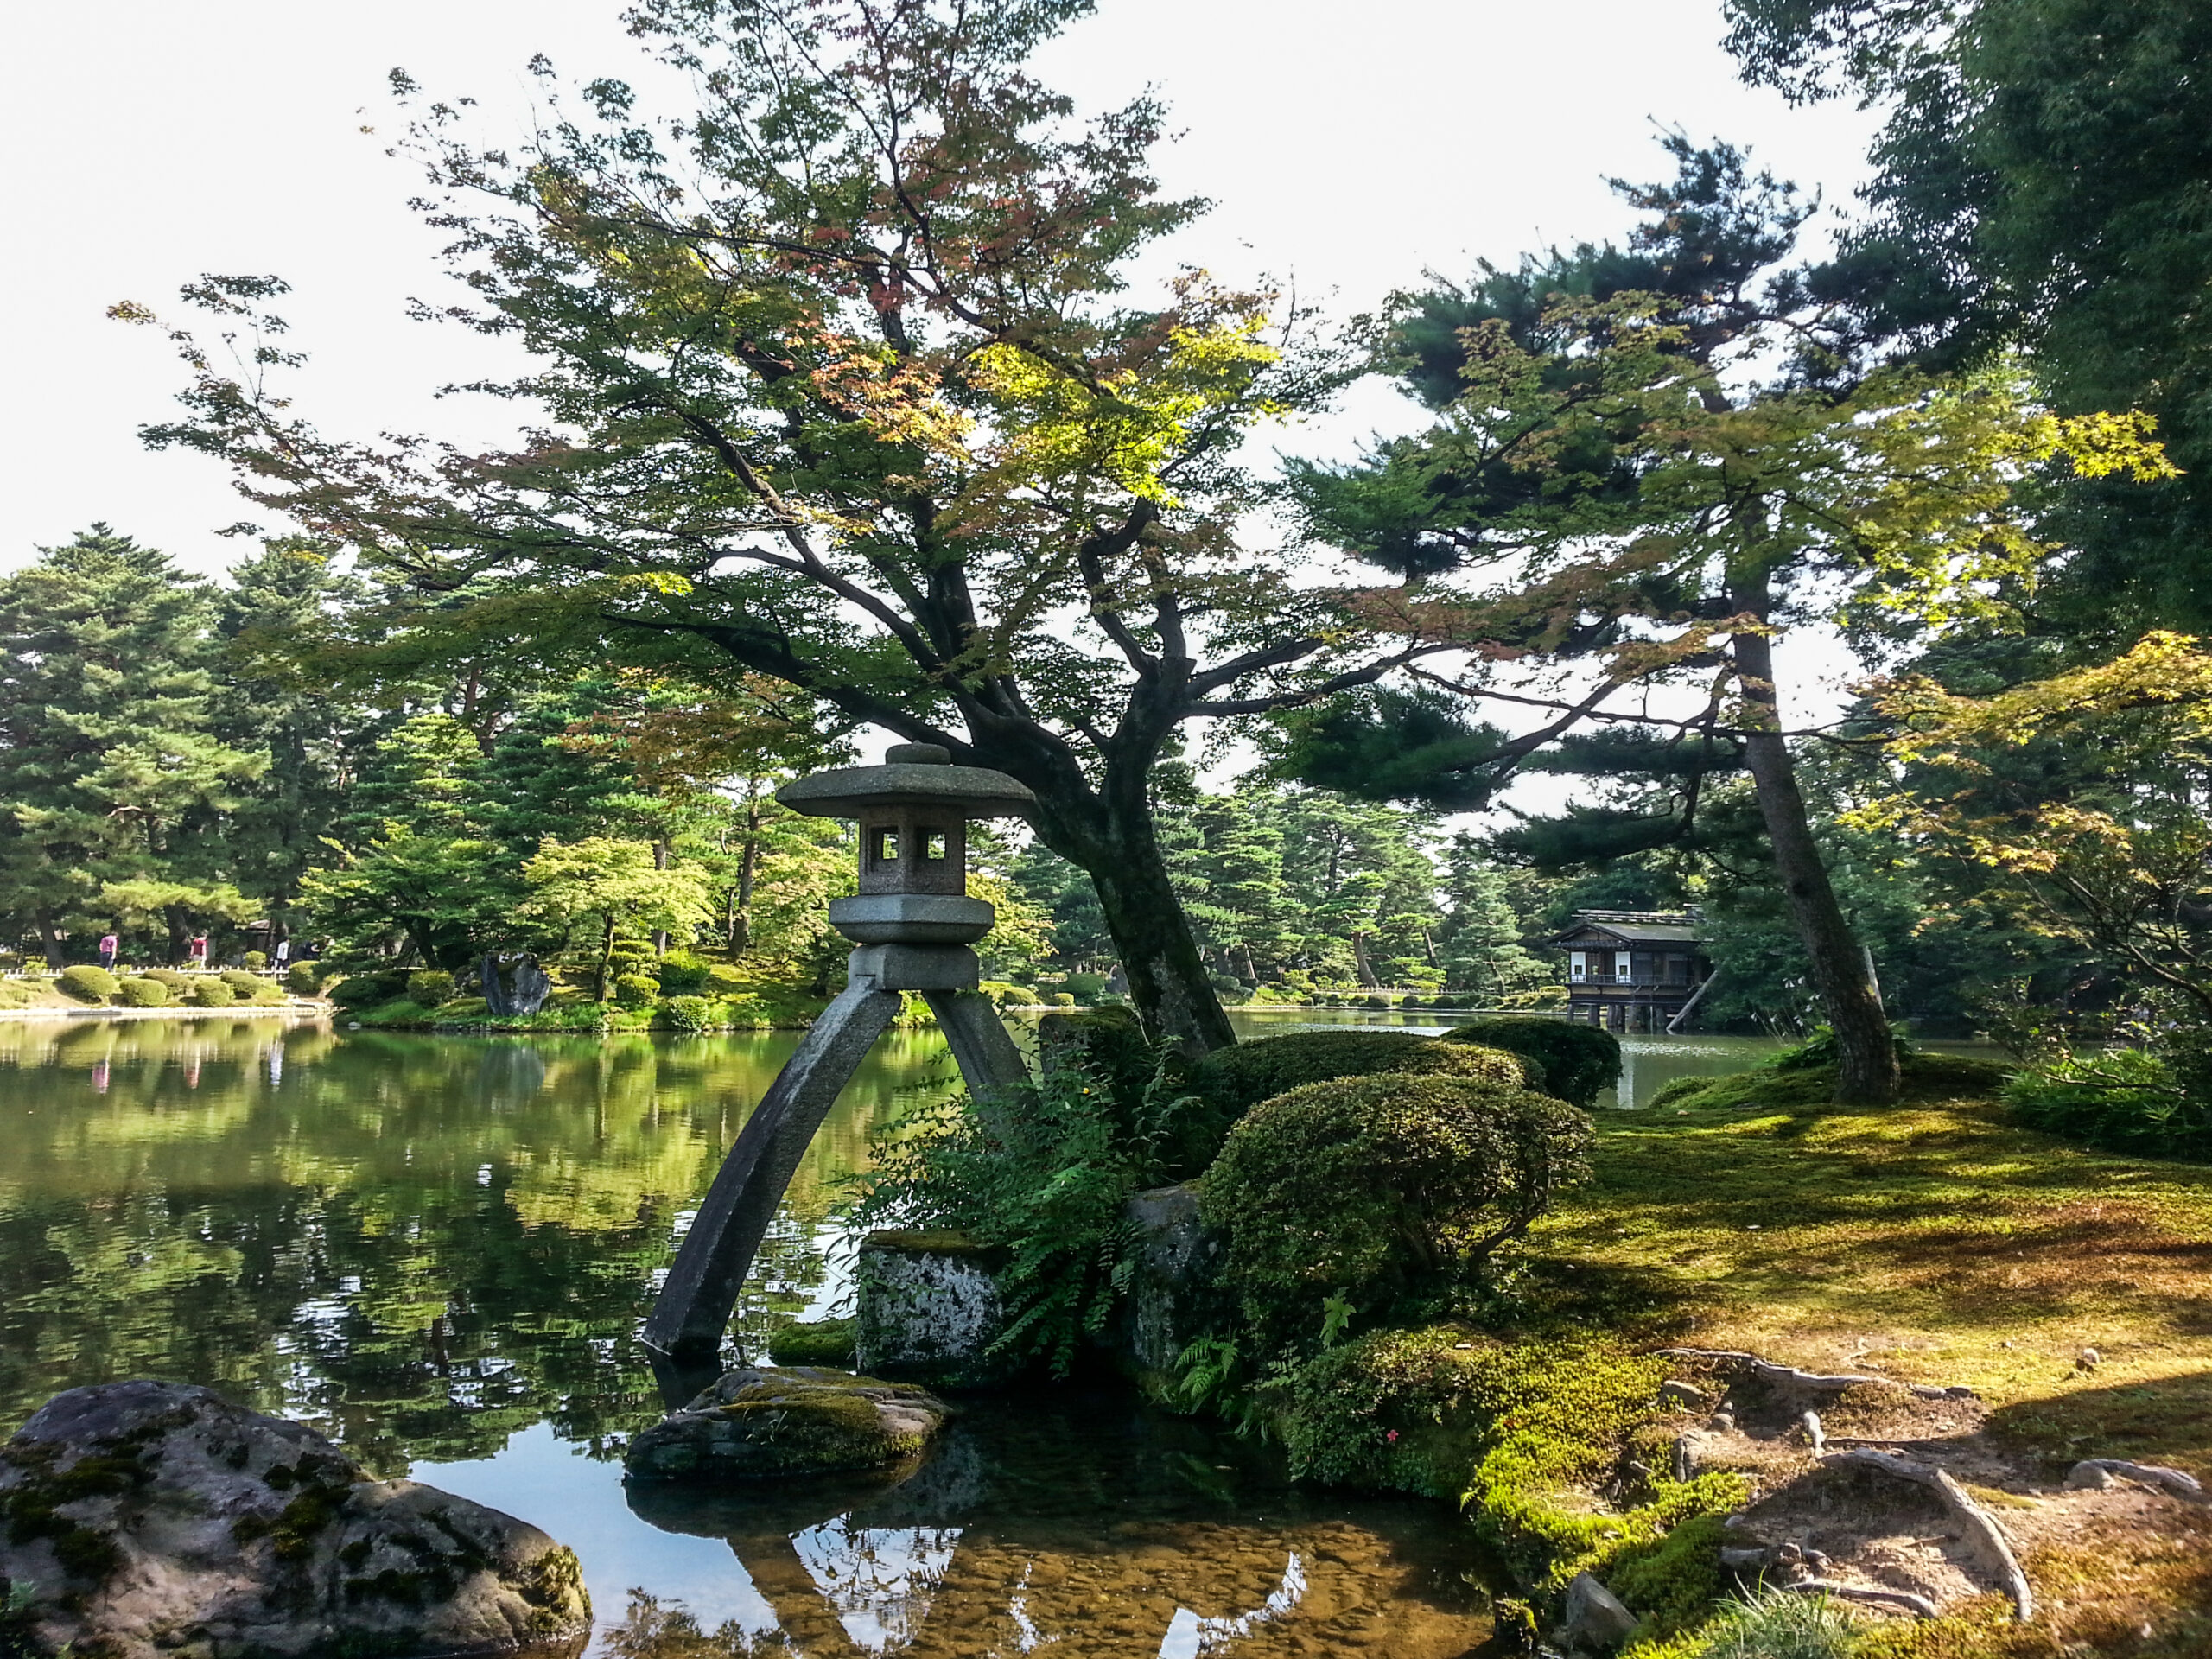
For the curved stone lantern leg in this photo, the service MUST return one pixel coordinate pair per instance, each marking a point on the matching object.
(913, 921)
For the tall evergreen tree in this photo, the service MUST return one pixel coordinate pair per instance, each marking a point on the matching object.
(112, 780)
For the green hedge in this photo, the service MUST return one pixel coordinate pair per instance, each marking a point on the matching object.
(178, 983)
(304, 978)
(87, 983)
(368, 990)
(637, 990)
(213, 991)
(1238, 1078)
(142, 993)
(1379, 1192)
(680, 973)
(1572, 1060)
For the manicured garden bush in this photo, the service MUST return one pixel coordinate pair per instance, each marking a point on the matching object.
(1240, 1077)
(141, 992)
(689, 1013)
(87, 984)
(257, 960)
(428, 987)
(304, 978)
(680, 973)
(2123, 1099)
(211, 991)
(637, 990)
(369, 990)
(1572, 1060)
(1086, 987)
(1062, 999)
(179, 984)
(1380, 1191)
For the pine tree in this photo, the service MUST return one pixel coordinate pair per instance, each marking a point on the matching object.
(113, 785)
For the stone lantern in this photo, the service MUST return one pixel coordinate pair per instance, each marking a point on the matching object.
(911, 925)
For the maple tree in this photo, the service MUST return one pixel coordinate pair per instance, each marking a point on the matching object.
(838, 384)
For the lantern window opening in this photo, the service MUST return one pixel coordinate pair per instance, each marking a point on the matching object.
(934, 845)
(883, 845)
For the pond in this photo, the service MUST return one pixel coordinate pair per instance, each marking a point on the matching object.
(438, 1249)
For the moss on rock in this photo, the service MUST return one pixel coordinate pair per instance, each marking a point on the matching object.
(819, 1342)
(763, 1422)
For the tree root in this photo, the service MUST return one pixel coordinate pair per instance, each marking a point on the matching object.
(1978, 1525)
(1904, 1600)
(2095, 1474)
(1767, 1372)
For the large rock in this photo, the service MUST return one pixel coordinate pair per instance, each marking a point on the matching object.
(927, 1310)
(151, 1519)
(794, 1420)
(1174, 1286)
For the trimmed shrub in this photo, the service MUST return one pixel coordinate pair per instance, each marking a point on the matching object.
(304, 978)
(1568, 1058)
(2123, 1099)
(689, 1013)
(1381, 1191)
(1377, 1000)
(211, 991)
(681, 973)
(428, 987)
(824, 1342)
(179, 984)
(87, 983)
(1063, 999)
(637, 990)
(257, 960)
(1240, 1077)
(141, 992)
(368, 990)
(1086, 987)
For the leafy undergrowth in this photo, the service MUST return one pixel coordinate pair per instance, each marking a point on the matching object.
(1932, 1242)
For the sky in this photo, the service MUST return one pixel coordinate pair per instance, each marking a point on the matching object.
(1349, 149)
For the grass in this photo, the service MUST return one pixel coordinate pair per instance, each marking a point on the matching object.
(1931, 1242)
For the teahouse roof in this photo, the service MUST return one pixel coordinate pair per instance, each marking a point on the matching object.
(1631, 927)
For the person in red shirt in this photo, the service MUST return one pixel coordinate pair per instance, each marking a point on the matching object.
(198, 953)
(108, 944)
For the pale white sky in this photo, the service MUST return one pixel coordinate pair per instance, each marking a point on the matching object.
(1348, 147)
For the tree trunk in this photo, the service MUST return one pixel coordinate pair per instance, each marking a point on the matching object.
(1110, 835)
(748, 868)
(660, 862)
(1867, 1073)
(1365, 970)
(605, 957)
(49, 943)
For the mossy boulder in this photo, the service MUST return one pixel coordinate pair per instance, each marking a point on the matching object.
(819, 1342)
(928, 1309)
(801, 1420)
(148, 1519)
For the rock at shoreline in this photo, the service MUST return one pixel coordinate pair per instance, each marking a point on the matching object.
(793, 1420)
(928, 1310)
(1173, 1292)
(151, 1519)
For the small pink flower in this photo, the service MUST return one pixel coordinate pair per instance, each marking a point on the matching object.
(1392, 1437)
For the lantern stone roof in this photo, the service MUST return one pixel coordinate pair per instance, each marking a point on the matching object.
(1632, 927)
(912, 774)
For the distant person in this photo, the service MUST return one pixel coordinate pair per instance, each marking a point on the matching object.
(197, 957)
(109, 943)
(283, 953)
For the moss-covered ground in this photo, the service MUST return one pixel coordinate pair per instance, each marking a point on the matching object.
(1929, 1241)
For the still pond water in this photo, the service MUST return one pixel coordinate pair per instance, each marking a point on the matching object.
(439, 1248)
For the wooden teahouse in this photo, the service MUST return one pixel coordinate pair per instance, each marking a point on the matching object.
(1633, 969)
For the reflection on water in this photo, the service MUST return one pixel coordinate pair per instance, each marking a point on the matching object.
(439, 1249)
(1095, 1527)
